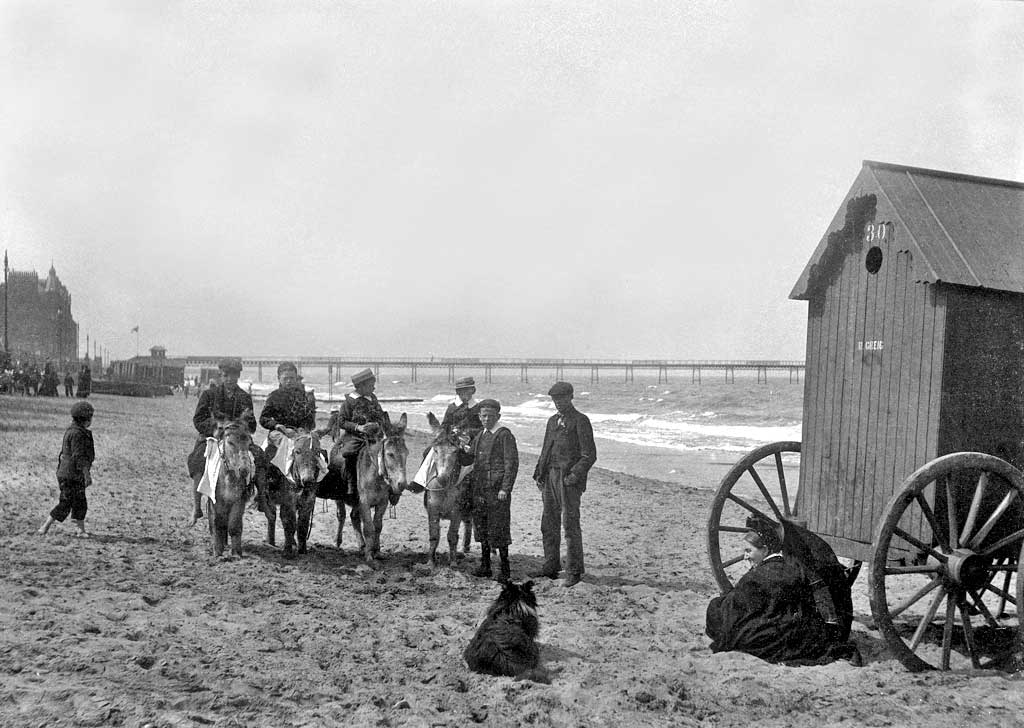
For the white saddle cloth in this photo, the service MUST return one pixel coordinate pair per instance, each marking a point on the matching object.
(285, 456)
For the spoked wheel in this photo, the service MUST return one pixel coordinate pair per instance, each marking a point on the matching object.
(758, 485)
(948, 551)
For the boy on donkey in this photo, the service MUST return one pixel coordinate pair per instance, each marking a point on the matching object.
(74, 466)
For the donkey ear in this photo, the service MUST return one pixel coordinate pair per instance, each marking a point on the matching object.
(433, 421)
(402, 421)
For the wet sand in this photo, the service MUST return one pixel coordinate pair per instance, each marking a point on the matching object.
(139, 625)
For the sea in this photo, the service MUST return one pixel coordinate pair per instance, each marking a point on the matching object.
(644, 427)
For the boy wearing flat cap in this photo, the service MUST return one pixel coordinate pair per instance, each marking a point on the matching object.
(224, 400)
(74, 471)
(360, 415)
(495, 459)
(566, 457)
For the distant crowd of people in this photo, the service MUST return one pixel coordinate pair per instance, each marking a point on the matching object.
(26, 379)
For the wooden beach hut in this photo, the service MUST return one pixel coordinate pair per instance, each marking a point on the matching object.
(915, 341)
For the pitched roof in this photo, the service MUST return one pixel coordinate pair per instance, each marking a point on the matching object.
(962, 229)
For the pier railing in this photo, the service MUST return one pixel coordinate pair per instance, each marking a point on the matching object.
(484, 367)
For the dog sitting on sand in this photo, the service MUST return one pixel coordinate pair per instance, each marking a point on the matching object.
(505, 643)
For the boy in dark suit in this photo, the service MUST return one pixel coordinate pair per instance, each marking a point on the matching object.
(495, 459)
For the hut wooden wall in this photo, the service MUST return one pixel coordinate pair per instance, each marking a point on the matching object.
(871, 416)
(983, 386)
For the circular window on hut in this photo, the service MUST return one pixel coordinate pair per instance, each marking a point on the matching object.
(873, 261)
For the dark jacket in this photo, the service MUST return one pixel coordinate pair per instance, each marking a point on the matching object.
(569, 447)
(220, 401)
(76, 454)
(359, 410)
(496, 464)
(769, 614)
(294, 408)
(462, 417)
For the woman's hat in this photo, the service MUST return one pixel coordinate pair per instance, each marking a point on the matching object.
(364, 375)
(464, 383)
(763, 535)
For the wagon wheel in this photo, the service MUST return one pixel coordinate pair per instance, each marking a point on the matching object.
(756, 485)
(953, 533)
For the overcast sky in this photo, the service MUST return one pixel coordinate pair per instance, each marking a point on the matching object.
(582, 179)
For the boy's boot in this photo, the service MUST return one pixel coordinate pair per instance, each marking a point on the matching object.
(485, 561)
(505, 573)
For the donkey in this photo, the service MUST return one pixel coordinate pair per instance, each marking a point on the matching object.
(445, 493)
(236, 484)
(380, 474)
(294, 493)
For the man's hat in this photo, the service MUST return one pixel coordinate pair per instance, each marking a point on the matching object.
(81, 411)
(287, 366)
(364, 375)
(465, 383)
(560, 389)
(230, 365)
(492, 404)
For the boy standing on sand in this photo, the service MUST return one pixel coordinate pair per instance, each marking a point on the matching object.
(74, 466)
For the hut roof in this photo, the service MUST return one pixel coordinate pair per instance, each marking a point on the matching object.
(962, 229)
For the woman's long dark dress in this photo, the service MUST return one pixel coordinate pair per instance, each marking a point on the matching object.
(769, 614)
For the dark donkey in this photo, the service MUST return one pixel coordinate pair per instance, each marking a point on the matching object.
(236, 483)
(294, 492)
(445, 493)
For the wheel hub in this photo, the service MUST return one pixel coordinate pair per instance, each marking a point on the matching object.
(967, 569)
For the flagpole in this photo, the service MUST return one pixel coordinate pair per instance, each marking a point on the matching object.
(7, 343)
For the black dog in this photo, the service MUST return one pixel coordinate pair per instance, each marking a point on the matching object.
(505, 644)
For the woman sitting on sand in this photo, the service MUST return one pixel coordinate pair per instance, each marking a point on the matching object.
(771, 612)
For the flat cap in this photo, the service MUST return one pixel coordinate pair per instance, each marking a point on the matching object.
(465, 383)
(230, 365)
(81, 410)
(286, 366)
(491, 404)
(363, 375)
(560, 389)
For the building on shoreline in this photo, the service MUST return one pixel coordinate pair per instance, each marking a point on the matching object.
(38, 315)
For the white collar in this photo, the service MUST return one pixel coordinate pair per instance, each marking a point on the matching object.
(471, 403)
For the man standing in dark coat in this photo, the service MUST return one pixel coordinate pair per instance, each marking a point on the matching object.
(495, 459)
(223, 401)
(360, 415)
(566, 457)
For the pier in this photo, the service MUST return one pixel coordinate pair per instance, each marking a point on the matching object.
(484, 367)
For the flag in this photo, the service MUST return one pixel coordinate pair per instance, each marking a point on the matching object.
(135, 330)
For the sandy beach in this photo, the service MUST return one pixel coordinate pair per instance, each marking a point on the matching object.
(140, 626)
